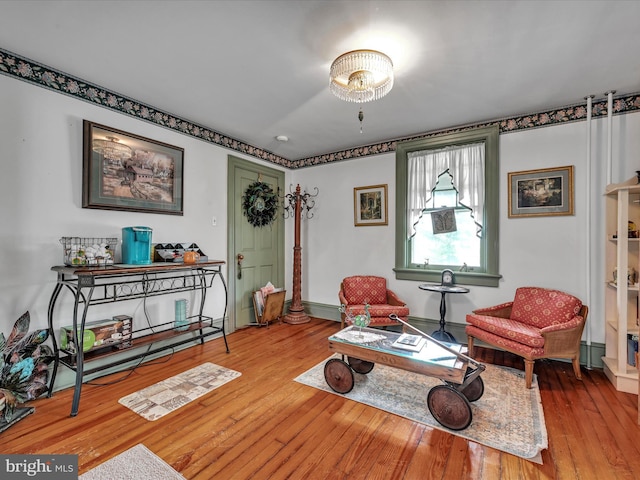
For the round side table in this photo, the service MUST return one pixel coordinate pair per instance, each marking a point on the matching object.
(441, 334)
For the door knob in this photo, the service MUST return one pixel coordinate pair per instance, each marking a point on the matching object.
(240, 257)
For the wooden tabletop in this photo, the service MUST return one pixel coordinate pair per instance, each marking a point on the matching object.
(436, 287)
(432, 360)
(122, 269)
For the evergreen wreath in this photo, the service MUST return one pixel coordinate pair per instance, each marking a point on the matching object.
(259, 204)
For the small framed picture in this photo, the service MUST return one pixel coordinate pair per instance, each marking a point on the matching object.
(370, 205)
(542, 192)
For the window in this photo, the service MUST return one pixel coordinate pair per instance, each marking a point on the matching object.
(445, 234)
(447, 207)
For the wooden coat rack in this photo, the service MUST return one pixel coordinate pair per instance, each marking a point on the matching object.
(301, 204)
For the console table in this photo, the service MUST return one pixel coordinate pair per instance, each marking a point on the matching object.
(116, 283)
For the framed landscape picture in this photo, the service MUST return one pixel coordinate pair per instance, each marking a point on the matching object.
(544, 192)
(370, 205)
(123, 171)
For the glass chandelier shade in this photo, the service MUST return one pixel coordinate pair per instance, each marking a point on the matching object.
(361, 76)
(110, 148)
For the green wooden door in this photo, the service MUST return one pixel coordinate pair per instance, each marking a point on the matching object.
(261, 248)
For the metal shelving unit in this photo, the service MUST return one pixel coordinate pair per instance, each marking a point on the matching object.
(101, 285)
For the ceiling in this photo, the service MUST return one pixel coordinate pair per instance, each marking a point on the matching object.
(253, 70)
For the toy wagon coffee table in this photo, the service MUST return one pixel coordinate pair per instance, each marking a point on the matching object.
(361, 349)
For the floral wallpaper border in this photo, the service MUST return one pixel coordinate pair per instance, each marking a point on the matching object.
(35, 73)
(573, 113)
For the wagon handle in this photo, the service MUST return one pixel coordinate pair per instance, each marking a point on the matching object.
(475, 363)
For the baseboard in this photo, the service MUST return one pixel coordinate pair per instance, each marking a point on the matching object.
(594, 352)
(321, 310)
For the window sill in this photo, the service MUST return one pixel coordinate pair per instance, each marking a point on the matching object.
(461, 278)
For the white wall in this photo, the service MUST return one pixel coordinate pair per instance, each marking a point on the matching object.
(41, 188)
(543, 251)
(41, 196)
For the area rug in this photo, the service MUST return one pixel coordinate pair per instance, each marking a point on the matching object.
(168, 395)
(137, 463)
(508, 416)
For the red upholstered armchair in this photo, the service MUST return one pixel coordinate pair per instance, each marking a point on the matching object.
(359, 290)
(539, 323)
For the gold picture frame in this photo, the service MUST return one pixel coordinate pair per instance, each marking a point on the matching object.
(543, 192)
(370, 206)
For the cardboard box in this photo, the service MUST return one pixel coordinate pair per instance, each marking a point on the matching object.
(114, 333)
(127, 330)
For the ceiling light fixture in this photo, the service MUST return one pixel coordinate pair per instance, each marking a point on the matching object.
(111, 149)
(361, 76)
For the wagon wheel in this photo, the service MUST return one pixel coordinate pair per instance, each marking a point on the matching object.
(449, 407)
(360, 366)
(338, 375)
(474, 390)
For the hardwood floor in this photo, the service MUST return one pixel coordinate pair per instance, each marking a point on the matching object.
(264, 425)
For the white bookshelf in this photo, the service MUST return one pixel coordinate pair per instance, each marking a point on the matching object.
(621, 299)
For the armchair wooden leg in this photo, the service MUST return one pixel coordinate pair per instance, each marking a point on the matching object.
(528, 372)
(470, 345)
(576, 367)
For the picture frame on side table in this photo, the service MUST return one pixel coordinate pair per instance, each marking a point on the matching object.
(543, 192)
(123, 171)
(370, 206)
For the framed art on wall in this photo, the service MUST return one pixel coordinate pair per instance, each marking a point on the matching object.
(370, 205)
(544, 192)
(123, 171)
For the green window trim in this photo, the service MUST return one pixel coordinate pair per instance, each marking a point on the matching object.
(490, 248)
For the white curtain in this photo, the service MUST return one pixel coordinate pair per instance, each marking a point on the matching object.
(466, 166)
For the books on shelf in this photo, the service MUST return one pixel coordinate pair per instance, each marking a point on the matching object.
(413, 343)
